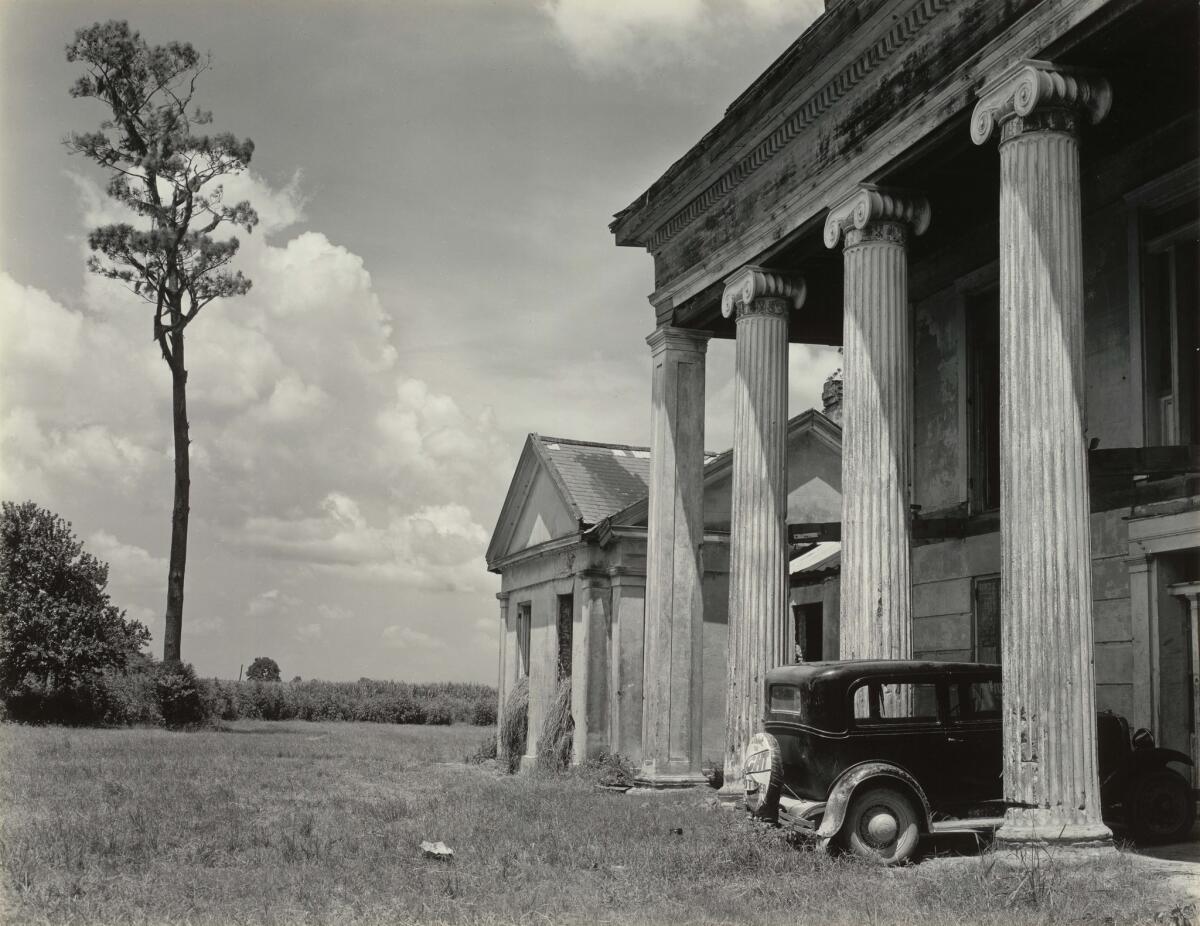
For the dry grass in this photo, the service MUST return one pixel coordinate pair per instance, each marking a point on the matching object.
(514, 725)
(558, 732)
(320, 823)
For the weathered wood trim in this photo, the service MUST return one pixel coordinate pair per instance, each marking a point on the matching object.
(1047, 22)
(820, 101)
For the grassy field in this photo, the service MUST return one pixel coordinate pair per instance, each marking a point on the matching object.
(320, 823)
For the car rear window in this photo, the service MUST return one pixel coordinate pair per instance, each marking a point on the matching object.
(785, 698)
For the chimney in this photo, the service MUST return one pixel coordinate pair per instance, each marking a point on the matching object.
(831, 396)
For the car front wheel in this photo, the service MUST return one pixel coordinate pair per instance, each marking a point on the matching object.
(881, 826)
(1159, 807)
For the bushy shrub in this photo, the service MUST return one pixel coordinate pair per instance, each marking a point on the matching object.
(182, 698)
(131, 697)
(611, 770)
(484, 713)
(59, 632)
(38, 700)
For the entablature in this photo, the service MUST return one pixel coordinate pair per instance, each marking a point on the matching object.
(804, 132)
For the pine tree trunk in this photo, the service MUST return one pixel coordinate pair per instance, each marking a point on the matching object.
(179, 514)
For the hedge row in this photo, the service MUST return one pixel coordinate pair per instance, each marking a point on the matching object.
(364, 700)
(172, 695)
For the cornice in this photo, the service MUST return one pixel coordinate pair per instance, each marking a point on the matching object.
(545, 548)
(752, 283)
(1044, 23)
(1029, 85)
(870, 205)
(816, 104)
(683, 340)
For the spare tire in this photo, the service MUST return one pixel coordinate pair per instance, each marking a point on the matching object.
(762, 775)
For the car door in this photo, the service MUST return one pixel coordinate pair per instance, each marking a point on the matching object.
(974, 740)
(898, 720)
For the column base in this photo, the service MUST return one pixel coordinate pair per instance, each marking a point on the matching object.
(648, 777)
(1022, 831)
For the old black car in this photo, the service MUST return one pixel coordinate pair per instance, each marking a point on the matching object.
(871, 755)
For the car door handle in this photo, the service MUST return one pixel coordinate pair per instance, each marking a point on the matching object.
(955, 739)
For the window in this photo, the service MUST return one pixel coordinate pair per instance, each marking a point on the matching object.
(986, 620)
(1170, 271)
(895, 702)
(979, 700)
(566, 618)
(808, 624)
(785, 698)
(983, 398)
(524, 613)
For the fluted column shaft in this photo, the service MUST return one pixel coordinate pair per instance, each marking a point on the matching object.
(876, 414)
(876, 592)
(1050, 772)
(759, 616)
(672, 683)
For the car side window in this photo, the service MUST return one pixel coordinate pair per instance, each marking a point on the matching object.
(976, 700)
(886, 703)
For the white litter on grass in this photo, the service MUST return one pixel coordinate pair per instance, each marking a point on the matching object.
(437, 850)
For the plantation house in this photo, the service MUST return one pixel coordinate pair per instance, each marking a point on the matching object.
(570, 547)
(993, 208)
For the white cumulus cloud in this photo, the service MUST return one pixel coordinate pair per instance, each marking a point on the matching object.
(641, 36)
(405, 637)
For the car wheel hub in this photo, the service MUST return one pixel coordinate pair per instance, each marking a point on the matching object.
(881, 827)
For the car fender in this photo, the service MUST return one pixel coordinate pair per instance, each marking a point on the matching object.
(1158, 755)
(1139, 761)
(850, 780)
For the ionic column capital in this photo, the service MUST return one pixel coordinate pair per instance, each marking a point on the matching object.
(1032, 86)
(677, 339)
(755, 291)
(876, 213)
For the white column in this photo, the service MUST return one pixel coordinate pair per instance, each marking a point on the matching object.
(876, 418)
(1050, 774)
(589, 667)
(506, 677)
(759, 616)
(672, 684)
(1190, 593)
(543, 665)
(628, 661)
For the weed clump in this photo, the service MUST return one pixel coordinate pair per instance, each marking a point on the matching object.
(485, 751)
(514, 726)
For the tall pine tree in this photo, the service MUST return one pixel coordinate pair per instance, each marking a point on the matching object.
(166, 172)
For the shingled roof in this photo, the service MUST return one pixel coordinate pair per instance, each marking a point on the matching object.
(597, 479)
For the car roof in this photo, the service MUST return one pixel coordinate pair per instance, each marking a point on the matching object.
(850, 669)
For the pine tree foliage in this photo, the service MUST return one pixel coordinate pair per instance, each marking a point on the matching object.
(163, 170)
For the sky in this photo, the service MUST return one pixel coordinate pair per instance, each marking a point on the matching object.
(433, 278)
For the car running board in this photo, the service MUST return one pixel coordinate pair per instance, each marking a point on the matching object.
(976, 825)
